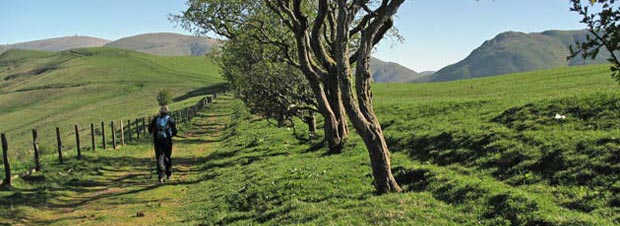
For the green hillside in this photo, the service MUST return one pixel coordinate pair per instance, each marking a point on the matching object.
(476, 152)
(58, 44)
(512, 52)
(391, 72)
(45, 89)
(166, 44)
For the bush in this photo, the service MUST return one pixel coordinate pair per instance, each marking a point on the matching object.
(164, 97)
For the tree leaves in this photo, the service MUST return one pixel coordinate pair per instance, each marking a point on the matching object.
(604, 27)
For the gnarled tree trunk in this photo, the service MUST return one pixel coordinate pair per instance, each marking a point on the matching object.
(359, 104)
(335, 101)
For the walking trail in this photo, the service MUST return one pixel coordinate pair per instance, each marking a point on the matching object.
(118, 187)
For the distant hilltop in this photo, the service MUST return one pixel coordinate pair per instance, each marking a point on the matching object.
(163, 44)
(512, 52)
(506, 53)
(173, 44)
(58, 44)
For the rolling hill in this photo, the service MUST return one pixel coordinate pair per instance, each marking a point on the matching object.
(172, 44)
(166, 44)
(512, 52)
(391, 72)
(41, 89)
(58, 44)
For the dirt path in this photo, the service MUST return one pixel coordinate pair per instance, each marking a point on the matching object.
(120, 187)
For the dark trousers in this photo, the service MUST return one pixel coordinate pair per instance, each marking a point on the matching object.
(163, 152)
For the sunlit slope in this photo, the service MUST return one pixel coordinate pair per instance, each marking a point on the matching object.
(505, 89)
(44, 89)
(494, 147)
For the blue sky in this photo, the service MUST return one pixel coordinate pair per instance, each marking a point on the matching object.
(437, 32)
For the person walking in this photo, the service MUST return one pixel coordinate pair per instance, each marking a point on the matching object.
(163, 128)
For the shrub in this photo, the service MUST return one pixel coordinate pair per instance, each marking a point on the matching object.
(164, 97)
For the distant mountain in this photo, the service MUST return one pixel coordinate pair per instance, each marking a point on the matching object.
(391, 72)
(171, 44)
(426, 73)
(166, 44)
(58, 44)
(512, 52)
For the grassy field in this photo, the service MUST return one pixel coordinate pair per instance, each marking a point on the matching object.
(42, 90)
(492, 146)
(477, 152)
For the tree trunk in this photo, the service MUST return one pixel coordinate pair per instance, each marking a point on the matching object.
(359, 105)
(332, 132)
(330, 127)
(311, 122)
(335, 101)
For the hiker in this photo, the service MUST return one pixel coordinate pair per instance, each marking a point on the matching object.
(163, 129)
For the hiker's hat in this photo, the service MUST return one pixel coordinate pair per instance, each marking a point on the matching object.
(164, 109)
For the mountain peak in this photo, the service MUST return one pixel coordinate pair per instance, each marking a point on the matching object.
(511, 52)
(166, 44)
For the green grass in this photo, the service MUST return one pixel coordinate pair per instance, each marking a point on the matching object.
(42, 90)
(474, 143)
(476, 152)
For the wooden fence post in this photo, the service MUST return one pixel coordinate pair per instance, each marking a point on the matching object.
(122, 134)
(144, 132)
(59, 142)
(37, 162)
(92, 136)
(5, 158)
(137, 130)
(113, 135)
(129, 132)
(103, 134)
(148, 124)
(77, 142)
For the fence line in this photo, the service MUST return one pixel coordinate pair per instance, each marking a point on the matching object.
(181, 116)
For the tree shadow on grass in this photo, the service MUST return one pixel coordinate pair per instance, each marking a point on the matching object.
(217, 88)
(444, 148)
(94, 181)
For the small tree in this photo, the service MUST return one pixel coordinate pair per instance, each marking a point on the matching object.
(269, 86)
(604, 26)
(164, 97)
(332, 44)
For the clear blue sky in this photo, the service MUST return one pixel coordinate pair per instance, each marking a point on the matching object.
(437, 32)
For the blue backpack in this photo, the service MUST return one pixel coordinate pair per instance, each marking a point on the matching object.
(162, 129)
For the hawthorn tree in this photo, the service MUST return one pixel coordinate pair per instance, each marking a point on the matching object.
(328, 39)
(604, 27)
(268, 86)
(231, 18)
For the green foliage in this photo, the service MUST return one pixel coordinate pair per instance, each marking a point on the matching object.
(604, 27)
(269, 85)
(164, 97)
